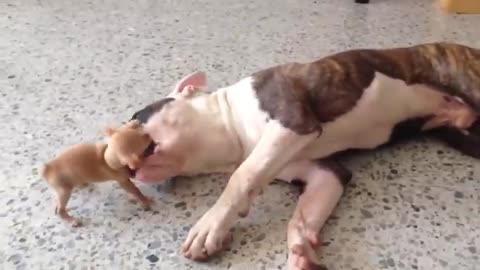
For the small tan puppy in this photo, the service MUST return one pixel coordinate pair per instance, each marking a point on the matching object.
(85, 163)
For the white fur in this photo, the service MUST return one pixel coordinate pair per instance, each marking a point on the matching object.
(260, 167)
(248, 120)
(227, 131)
(385, 103)
(230, 123)
(321, 195)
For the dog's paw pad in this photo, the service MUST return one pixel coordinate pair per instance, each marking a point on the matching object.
(299, 259)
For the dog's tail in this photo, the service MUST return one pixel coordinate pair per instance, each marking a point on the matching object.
(465, 141)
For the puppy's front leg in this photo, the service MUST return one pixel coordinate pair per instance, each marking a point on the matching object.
(275, 149)
(130, 187)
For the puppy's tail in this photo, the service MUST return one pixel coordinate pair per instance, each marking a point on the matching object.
(46, 170)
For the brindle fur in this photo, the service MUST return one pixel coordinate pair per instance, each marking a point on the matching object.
(303, 96)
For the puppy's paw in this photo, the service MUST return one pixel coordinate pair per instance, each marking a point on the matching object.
(76, 223)
(146, 203)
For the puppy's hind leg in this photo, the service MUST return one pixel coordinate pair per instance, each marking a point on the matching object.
(63, 195)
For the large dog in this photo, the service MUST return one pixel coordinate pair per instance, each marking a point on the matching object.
(287, 122)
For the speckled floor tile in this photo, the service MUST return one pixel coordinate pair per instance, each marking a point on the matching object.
(67, 68)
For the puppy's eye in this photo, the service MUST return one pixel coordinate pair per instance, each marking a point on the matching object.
(150, 149)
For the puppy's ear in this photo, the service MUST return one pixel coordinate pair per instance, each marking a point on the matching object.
(190, 84)
(109, 131)
(134, 124)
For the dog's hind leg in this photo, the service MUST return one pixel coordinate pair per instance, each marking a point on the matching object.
(454, 113)
(324, 185)
(457, 125)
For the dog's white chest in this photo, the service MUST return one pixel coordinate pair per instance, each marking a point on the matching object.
(385, 103)
(247, 117)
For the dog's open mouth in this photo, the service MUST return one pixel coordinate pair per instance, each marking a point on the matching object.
(146, 153)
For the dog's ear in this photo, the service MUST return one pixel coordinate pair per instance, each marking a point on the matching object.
(109, 131)
(190, 84)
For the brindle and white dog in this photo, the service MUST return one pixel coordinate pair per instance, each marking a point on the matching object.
(287, 122)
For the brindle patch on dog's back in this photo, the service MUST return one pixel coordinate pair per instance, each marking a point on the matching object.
(302, 96)
(450, 67)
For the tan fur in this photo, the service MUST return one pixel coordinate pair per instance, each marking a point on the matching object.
(86, 163)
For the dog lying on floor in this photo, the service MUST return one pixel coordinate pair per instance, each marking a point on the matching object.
(86, 163)
(286, 122)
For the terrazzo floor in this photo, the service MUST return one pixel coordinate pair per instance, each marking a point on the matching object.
(68, 68)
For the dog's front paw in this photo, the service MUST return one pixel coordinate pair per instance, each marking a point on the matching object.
(209, 236)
